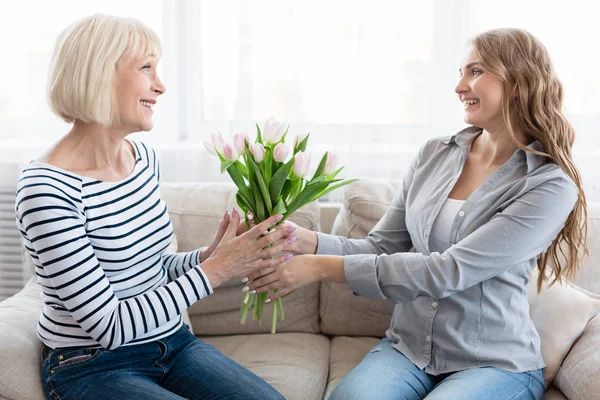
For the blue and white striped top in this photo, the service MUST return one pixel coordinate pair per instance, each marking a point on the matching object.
(98, 248)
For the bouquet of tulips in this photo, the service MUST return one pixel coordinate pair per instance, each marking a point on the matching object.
(271, 182)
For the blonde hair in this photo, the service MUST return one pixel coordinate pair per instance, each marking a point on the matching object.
(532, 104)
(81, 85)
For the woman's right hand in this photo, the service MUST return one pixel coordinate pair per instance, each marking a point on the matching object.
(240, 256)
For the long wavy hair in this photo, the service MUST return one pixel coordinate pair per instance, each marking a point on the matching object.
(532, 103)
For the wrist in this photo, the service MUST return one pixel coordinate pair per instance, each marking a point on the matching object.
(203, 255)
(308, 242)
(214, 277)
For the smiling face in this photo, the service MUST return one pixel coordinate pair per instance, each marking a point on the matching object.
(137, 90)
(481, 94)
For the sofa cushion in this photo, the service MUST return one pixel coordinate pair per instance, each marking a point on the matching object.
(578, 375)
(346, 353)
(295, 364)
(342, 313)
(20, 352)
(195, 210)
(588, 276)
(560, 314)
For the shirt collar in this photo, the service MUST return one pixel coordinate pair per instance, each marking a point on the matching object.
(466, 136)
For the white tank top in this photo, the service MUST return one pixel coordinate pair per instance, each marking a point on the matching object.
(439, 239)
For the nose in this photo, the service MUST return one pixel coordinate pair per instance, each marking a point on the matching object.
(461, 86)
(158, 87)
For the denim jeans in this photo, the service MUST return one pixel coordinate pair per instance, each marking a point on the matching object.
(176, 367)
(385, 373)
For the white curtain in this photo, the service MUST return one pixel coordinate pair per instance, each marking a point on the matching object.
(371, 81)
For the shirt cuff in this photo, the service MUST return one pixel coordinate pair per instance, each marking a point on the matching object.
(329, 244)
(361, 274)
(205, 282)
(200, 250)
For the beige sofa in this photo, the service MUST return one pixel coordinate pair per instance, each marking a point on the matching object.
(326, 330)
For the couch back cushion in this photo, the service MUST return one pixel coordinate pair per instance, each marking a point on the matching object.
(195, 210)
(342, 313)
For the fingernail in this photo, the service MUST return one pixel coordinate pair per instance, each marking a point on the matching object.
(235, 212)
(245, 280)
(266, 232)
(278, 218)
(267, 301)
(253, 292)
(224, 215)
(292, 240)
(245, 289)
(291, 229)
(288, 256)
(250, 215)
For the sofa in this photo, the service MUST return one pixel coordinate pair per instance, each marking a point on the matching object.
(327, 330)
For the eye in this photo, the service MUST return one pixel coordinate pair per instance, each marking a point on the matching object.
(477, 72)
(147, 67)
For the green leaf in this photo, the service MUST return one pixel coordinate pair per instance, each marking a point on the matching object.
(305, 197)
(258, 135)
(242, 168)
(279, 179)
(243, 203)
(279, 208)
(287, 187)
(339, 185)
(225, 165)
(302, 145)
(237, 178)
(321, 166)
(284, 134)
(335, 173)
(260, 207)
(262, 185)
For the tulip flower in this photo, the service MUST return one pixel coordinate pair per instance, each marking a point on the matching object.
(330, 164)
(301, 164)
(210, 147)
(281, 152)
(230, 153)
(239, 142)
(218, 142)
(298, 139)
(273, 130)
(258, 151)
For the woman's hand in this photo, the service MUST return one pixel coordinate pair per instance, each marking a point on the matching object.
(237, 256)
(223, 224)
(287, 277)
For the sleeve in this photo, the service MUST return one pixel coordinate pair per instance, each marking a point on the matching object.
(54, 228)
(389, 236)
(522, 231)
(178, 264)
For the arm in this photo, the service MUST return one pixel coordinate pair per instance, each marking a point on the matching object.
(522, 231)
(519, 233)
(55, 236)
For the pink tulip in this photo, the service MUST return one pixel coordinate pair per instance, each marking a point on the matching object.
(210, 147)
(330, 164)
(273, 130)
(239, 141)
(229, 152)
(301, 164)
(281, 152)
(258, 151)
(298, 139)
(218, 142)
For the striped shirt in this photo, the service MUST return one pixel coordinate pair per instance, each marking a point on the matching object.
(98, 249)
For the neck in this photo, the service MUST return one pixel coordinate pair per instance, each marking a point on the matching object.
(495, 147)
(97, 147)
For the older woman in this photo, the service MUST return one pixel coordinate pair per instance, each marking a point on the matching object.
(482, 208)
(93, 221)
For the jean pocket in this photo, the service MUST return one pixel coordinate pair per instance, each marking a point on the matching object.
(76, 357)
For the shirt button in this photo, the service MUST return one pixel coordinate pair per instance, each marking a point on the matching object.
(428, 339)
(434, 304)
(461, 213)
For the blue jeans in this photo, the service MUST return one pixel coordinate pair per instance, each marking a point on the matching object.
(385, 373)
(176, 367)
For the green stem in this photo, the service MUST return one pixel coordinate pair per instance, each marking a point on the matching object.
(274, 319)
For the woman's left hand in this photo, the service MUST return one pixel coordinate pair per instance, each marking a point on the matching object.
(221, 231)
(300, 270)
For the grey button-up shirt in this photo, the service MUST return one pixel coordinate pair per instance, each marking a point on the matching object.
(466, 307)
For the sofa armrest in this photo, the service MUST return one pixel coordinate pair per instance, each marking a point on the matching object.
(20, 347)
(578, 375)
